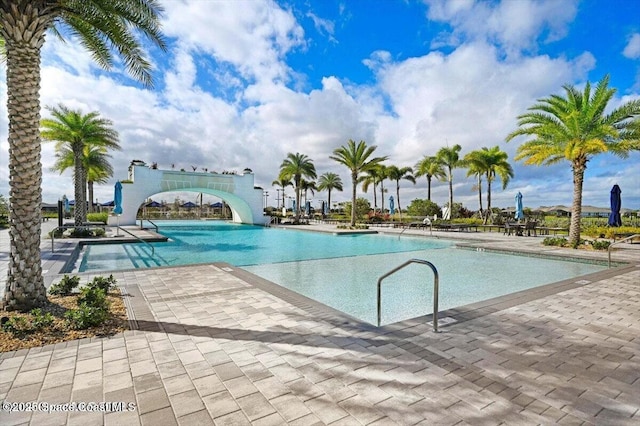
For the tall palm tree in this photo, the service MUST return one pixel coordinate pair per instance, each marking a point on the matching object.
(95, 161)
(476, 166)
(357, 159)
(383, 172)
(75, 131)
(429, 167)
(296, 166)
(574, 128)
(449, 157)
(328, 182)
(397, 174)
(282, 183)
(372, 178)
(496, 163)
(102, 27)
(306, 186)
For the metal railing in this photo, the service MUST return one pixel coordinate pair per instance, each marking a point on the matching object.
(150, 221)
(153, 250)
(631, 237)
(435, 289)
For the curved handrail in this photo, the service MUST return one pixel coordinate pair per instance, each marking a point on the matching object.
(435, 288)
(153, 250)
(150, 221)
(618, 242)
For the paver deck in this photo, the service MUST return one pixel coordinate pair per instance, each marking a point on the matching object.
(216, 345)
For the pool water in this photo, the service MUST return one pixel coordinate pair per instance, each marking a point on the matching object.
(342, 271)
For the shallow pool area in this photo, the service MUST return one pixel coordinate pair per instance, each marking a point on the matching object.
(341, 271)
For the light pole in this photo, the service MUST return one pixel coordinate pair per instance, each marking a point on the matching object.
(278, 197)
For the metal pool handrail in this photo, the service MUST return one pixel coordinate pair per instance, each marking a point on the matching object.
(150, 221)
(618, 242)
(435, 288)
(153, 250)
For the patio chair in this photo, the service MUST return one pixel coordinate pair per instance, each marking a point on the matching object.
(531, 227)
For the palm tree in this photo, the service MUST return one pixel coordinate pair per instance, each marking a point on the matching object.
(496, 163)
(95, 162)
(356, 159)
(75, 131)
(575, 128)
(449, 157)
(430, 168)
(475, 163)
(306, 186)
(382, 172)
(296, 166)
(282, 183)
(371, 178)
(397, 174)
(102, 27)
(328, 182)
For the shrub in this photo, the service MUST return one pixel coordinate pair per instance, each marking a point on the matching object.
(421, 207)
(93, 309)
(105, 284)
(362, 208)
(357, 226)
(600, 245)
(98, 217)
(18, 326)
(65, 286)
(555, 241)
(40, 320)
(85, 316)
(93, 297)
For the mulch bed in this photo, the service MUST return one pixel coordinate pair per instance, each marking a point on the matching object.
(59, 331)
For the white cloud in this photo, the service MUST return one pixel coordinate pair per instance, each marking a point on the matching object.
(514, 25)
(253, 37)
(632, 49)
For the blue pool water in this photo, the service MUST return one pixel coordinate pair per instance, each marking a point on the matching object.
(342, 271)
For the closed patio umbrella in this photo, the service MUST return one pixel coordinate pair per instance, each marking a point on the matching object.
(67, 207)
(392, 206)
(616, 203)
(117, 202)
(519, 211)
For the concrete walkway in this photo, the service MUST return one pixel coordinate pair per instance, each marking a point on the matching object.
(217, 345)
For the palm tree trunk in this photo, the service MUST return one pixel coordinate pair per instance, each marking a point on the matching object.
(382, 196)
(375, 199)
(297, 212)
(480, 192)
(79, 209)
(90, 197)
(576, 209)
(486, 218)
(428, 187)
(398, 197)
(24, 286)
(329, 201)
(450, 193)
(354, 180)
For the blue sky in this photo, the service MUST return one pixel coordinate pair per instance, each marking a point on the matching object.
(245, 82)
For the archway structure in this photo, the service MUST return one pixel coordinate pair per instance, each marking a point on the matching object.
(237, 190)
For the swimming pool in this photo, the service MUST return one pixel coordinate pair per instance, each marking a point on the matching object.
(342, 271)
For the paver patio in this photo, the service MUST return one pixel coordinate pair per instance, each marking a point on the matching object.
(216, 345)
